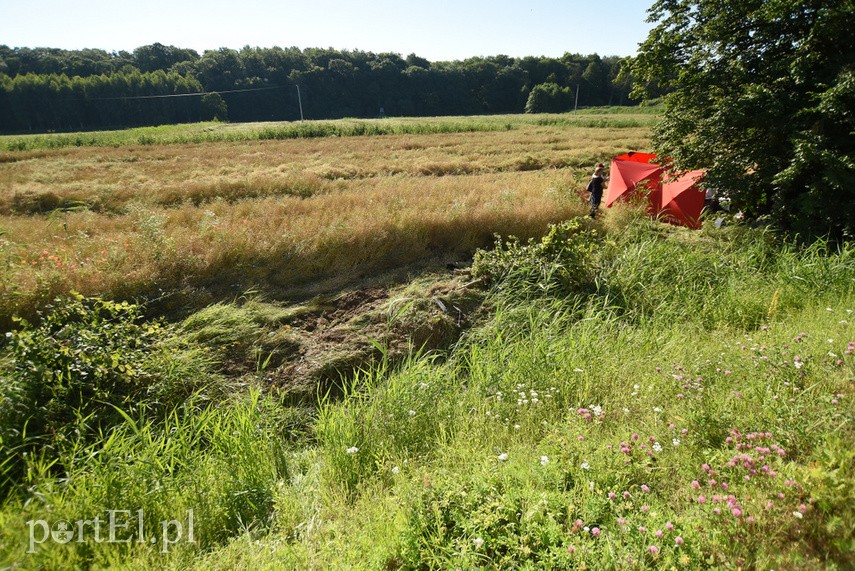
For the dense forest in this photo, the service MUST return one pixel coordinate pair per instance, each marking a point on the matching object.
(47, 89)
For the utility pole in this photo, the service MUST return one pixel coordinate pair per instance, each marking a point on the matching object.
(576, 106)
(300, 101)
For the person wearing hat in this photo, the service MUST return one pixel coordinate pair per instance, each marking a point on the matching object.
(595, 187)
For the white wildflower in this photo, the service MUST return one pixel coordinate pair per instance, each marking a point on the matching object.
(544, 460)
(503, 456)
(657, 447)
(478, 542)
(395, 470)
(352, 450)
(585, 466)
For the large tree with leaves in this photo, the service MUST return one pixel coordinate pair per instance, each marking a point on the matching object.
(762, 94)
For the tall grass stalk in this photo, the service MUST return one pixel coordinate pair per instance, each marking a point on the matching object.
(222, 463)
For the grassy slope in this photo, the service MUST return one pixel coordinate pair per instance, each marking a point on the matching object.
(696, 352)
(685, 338)
(561, 389)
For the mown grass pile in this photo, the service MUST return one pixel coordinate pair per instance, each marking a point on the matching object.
(641, 397)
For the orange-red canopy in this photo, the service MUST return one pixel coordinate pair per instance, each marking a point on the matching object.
(626, 174)
(683, 200)
(679, 201)
(636, 157)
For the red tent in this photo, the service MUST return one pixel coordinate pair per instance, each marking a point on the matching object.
(683, 200)
(628, 171)
(679, 201)
(636, 157)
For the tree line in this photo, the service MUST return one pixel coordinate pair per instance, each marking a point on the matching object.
(47, 89)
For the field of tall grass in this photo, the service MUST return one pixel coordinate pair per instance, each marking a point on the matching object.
(627, 394)
(201, 222)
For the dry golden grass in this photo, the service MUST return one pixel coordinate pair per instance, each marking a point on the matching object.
(215, 219)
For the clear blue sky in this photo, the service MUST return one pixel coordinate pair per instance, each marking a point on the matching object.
(436, 30)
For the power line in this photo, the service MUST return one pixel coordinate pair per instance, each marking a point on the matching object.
(197, 94)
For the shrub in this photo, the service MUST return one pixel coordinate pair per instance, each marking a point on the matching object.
(549, 98)
(70, 373)
(562, 263)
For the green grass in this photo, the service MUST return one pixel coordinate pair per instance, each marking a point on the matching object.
(593, 122)
(691, 385)
(208, 132)
(223, 463)
(217, 132)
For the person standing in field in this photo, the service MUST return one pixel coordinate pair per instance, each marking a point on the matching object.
(595, 187)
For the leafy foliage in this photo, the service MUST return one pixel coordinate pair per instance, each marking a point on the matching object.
(549, 98)
(761, 94)
(562, 263)
(47, 102)
(48, 89)
(487, 521)
(215, 107)
(74, 374)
